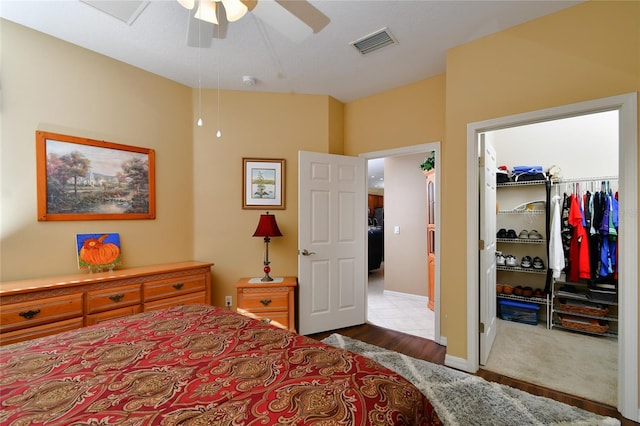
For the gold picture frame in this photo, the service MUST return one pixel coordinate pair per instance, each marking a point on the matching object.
(263, 183)
(86, 179)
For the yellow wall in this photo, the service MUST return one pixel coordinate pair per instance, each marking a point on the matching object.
(409, 115)
(54, 86)
(586, 52)
(263, 125)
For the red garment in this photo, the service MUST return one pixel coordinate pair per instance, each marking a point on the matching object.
(579, 245)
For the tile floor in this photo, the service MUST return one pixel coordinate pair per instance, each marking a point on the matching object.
(397, 311)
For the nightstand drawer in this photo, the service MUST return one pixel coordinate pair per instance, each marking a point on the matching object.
(32, 313)
(258, 300)
(272, 301)
(279, 319)
(173, 287)
(113, 298)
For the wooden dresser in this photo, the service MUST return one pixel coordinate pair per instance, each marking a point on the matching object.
(273, 301)
(43, 306)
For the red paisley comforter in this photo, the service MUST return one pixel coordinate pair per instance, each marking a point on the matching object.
(198, 365)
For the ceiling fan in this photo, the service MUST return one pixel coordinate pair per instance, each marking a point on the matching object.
(296, 19)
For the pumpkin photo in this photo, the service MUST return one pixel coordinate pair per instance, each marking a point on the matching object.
(98, 251)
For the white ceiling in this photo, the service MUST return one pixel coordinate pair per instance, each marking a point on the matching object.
(323, 63)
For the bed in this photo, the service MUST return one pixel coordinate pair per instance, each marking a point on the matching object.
(198, 365)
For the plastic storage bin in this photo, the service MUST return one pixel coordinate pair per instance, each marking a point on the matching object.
(523, 312)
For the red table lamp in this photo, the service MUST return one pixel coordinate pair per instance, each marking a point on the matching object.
(267, 228)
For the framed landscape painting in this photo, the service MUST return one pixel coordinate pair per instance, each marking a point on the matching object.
(86, 179)
(263, 183)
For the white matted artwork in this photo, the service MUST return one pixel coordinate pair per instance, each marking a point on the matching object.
(263, 183)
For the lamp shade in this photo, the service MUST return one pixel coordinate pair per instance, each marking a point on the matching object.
(267, 226)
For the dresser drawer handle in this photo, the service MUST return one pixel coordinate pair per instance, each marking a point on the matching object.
(29, 314)
(265, 302)
(178, 286)
(116, 297)
(265, 321)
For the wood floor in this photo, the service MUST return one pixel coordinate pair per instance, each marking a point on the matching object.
(428, 350)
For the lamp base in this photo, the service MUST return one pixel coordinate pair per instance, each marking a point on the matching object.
(266, 270)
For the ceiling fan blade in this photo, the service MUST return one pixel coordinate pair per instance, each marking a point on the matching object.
(280, 19)
(220, 30)
(307, 13)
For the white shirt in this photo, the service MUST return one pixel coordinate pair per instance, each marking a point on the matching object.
(556, 252)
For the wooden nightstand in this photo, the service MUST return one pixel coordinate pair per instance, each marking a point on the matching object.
(272, 301)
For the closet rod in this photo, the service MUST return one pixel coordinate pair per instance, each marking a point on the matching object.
(586, 179)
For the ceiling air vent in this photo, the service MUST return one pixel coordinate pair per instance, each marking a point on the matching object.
(375, 41)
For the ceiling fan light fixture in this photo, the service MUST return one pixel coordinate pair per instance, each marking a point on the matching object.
(235, 9)
(207, 11)
(187, 4)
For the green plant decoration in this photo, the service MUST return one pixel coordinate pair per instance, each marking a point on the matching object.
(429, 162)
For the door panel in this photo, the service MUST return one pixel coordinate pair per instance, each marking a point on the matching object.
(332, 229)
(488, 253)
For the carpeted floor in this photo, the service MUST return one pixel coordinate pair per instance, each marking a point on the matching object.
(466, 400)
(569, 362)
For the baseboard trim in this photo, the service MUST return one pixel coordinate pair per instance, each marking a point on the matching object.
(458, 363)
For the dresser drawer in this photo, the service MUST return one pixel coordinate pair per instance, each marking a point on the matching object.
(113, 313)
(37, 312)
(160, 289)
(40, 331)
(261, 300)
(113, 298)
(185, 299)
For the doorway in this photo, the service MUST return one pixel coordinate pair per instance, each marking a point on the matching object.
(627, 336)
(545, 354)
(395, 230)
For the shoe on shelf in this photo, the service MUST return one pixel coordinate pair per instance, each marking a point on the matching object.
(502, 233)
(511, 233)
(538, 263)
(526, 262)
(500, 260)
(511, 260)
(524, 234)
(535, 235)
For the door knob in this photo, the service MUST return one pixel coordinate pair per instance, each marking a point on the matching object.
(305, 252)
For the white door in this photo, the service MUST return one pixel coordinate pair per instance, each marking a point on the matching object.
(332, 222)
(487, 176)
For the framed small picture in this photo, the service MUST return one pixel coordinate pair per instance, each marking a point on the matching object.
(98, 252)
(86, 179)
(263, 183)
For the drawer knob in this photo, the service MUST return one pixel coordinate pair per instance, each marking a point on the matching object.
(178, 286)
(30, 313)
(265, 321)
(265, 302)
(116, 297)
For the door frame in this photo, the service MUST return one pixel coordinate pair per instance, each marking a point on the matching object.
(628, 270)
(418, 149)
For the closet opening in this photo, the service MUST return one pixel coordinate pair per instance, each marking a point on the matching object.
(550, 328)
(478, 292)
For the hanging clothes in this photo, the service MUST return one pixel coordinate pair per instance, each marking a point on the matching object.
(609, 232)
(579, 246)
(556, 251)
